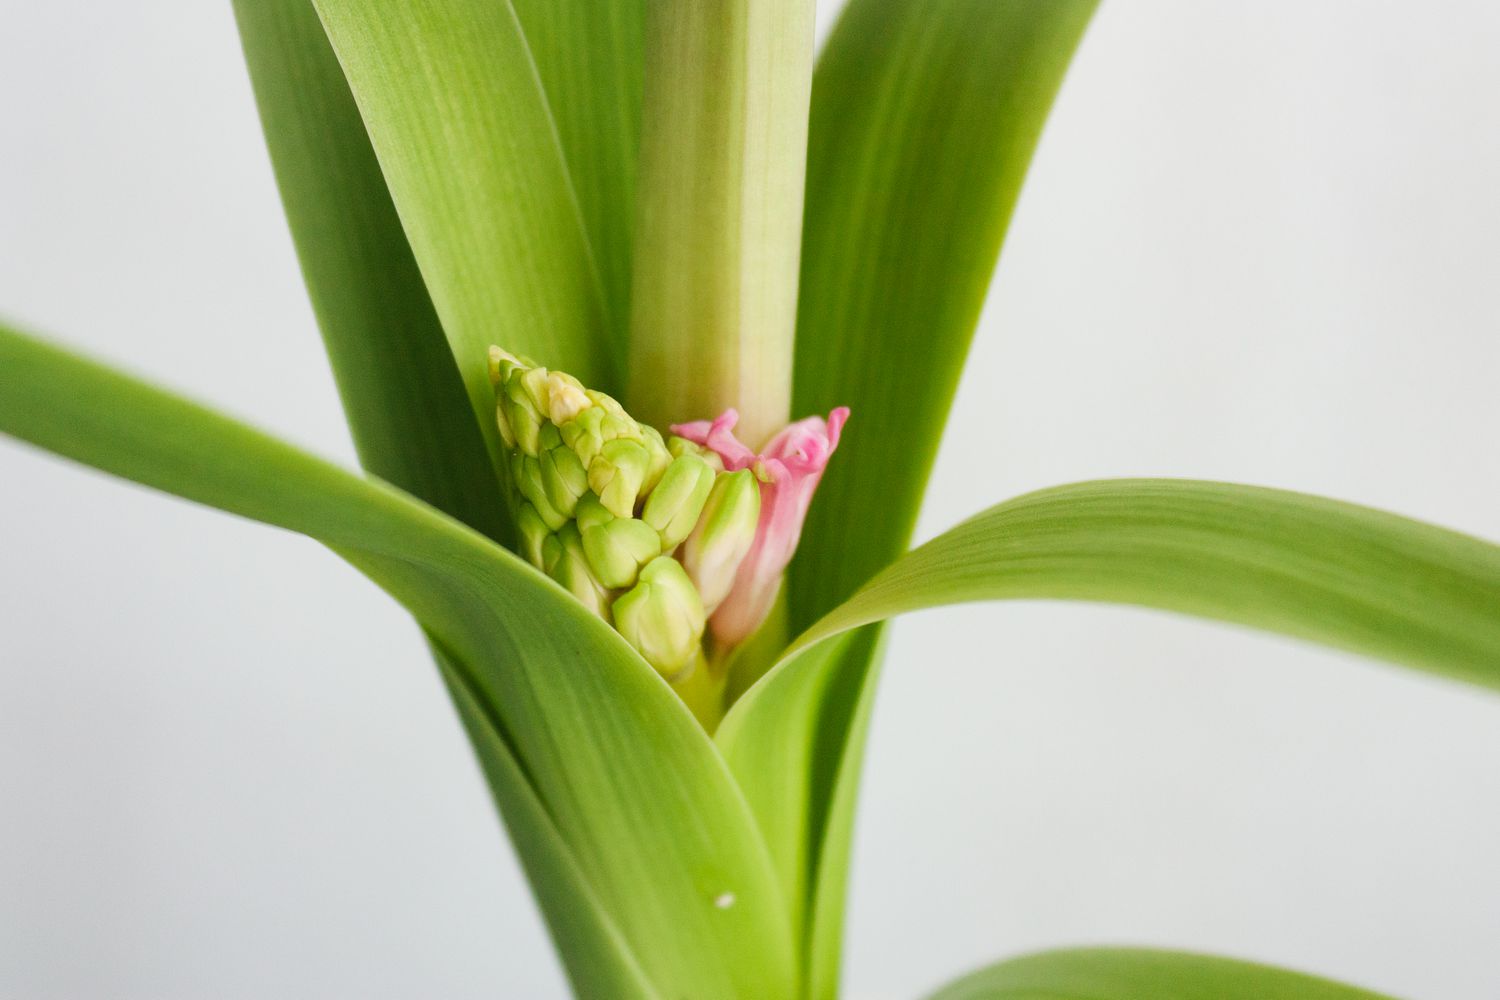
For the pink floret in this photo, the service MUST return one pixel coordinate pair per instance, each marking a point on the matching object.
(789, 468)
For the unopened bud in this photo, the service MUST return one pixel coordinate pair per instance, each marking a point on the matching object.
(526, 472)
(617, 474)
(663, 618)
(726, 528)
(660, 458)
(619, 549)
(565, 561)
(533, 532)
(566, 398)
(676, 501)
(679, 446)
(564, 479)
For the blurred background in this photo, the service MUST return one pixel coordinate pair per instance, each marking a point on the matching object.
(1260, 242)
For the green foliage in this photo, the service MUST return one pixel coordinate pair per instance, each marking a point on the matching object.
(1136, 974)
(924, 118)
(471, 153)
(1331, 572)
(458, 173)
(402, 393)
(642, 817)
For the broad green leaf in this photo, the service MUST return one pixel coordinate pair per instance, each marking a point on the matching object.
(723, 157)
(589, 57)
(471, 155)
(599, 960)
(1140, 974)
(924, 118)
(647, 809)
(1318, 569)
(402, 393)
(802, 790)
(1331, 572)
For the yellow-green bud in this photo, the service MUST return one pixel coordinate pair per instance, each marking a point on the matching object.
(656, 448)
(673, 506)
(565, 561)
(564, 479)
(663, 618)
(619, 549)
(566, 398)
(524, 419)
(502, 363)
(726, 528)
(617, 474)
(678, 447)
(526, 471)
(584, 434)
(534, 533)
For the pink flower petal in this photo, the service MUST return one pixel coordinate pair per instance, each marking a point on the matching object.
(789, 469)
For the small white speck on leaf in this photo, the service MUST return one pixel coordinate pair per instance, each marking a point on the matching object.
(724, 900)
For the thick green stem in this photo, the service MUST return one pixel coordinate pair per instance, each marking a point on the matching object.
(719, 210)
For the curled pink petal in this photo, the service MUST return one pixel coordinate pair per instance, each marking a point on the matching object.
(789, 469)
(718, 436)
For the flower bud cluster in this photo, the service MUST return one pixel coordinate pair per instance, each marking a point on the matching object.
(648, 534)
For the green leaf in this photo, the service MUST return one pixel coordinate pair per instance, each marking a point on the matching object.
(723, 158)
(1331, 572)
(924, 118)
(651, 818)
(797, 757)
(471, 154)
(599, 960)
(589, 57)
(402, 393)
(1138, 974)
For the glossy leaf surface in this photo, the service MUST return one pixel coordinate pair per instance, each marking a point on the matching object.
(1318, 569)
(589, 58)
(1140, 974)
(924, 119)
(402, 394)
(455, 109)
(656, 827)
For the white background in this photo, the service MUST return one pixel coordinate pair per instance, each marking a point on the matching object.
(1260, 243)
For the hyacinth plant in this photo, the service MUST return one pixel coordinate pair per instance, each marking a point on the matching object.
(578, 266)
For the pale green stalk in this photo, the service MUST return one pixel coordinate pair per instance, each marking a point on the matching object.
(719, 211)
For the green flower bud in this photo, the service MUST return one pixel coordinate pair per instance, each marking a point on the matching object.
(526, 472)
(590, 512)
(502, 363)
(677, 447)
(565, 561)
(607, 403)
(660, 457)
(566, 398)
(617, 474)
(584, 434)
(618, 548)
(524, 419)
(673, 506)
(726, 528)
(534, 532)
(533, 382)
(663, 618)
(564, 479)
